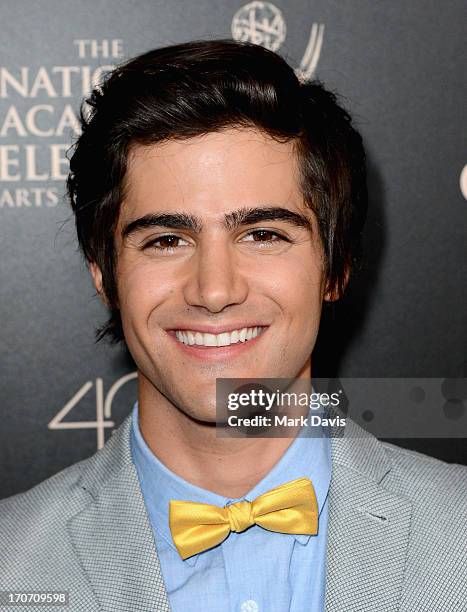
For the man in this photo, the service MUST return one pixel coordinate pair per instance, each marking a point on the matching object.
(219, 202)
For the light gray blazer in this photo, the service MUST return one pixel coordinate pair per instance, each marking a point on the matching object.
(397, 536)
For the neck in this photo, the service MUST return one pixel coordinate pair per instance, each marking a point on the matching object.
(191, 449)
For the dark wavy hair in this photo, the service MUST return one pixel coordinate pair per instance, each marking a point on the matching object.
(190, 89)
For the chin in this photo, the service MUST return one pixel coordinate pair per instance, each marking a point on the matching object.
(205, 417)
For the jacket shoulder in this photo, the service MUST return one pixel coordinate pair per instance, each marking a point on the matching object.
(44, 506)
(59, 483)
(64, 494)
(36, 548)
(424, 478)
(36, 552)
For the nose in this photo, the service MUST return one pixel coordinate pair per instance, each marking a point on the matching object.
(216, 280)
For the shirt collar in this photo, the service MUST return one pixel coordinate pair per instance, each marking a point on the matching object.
(309, 455)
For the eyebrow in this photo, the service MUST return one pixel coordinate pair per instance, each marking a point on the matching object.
(232, 220)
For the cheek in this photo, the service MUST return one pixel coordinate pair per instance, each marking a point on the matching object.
(296, 281)
(141, 289)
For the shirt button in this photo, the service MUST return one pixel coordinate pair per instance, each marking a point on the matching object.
(249, 606)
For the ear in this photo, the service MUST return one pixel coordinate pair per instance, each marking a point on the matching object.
(97, 280)
(333, 295)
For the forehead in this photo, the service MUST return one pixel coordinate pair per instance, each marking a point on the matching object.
(212, 174)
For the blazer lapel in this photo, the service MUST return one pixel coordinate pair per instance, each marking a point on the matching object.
(112, 535)
(369, 528)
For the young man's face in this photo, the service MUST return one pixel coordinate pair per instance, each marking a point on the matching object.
(231, 252)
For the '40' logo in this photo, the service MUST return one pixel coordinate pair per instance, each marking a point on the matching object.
(263, 24)
(103, 408)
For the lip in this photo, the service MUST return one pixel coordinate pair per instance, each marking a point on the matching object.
(215, 353)
(216, 329)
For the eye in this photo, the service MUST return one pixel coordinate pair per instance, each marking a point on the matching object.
(168, 242)
(264, 236)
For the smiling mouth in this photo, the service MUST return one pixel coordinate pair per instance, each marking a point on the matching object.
(196, 338)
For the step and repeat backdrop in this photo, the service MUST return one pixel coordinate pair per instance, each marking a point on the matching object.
(399, 67)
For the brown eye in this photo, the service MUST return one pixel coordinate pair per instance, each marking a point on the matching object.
(264, 236)
(168, 243)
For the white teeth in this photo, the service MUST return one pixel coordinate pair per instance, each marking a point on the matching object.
(210, 340)
(223, 339)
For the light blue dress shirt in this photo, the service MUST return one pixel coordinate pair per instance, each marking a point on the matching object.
(252, 571)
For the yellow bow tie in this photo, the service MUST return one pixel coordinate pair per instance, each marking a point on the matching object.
(289, 508)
